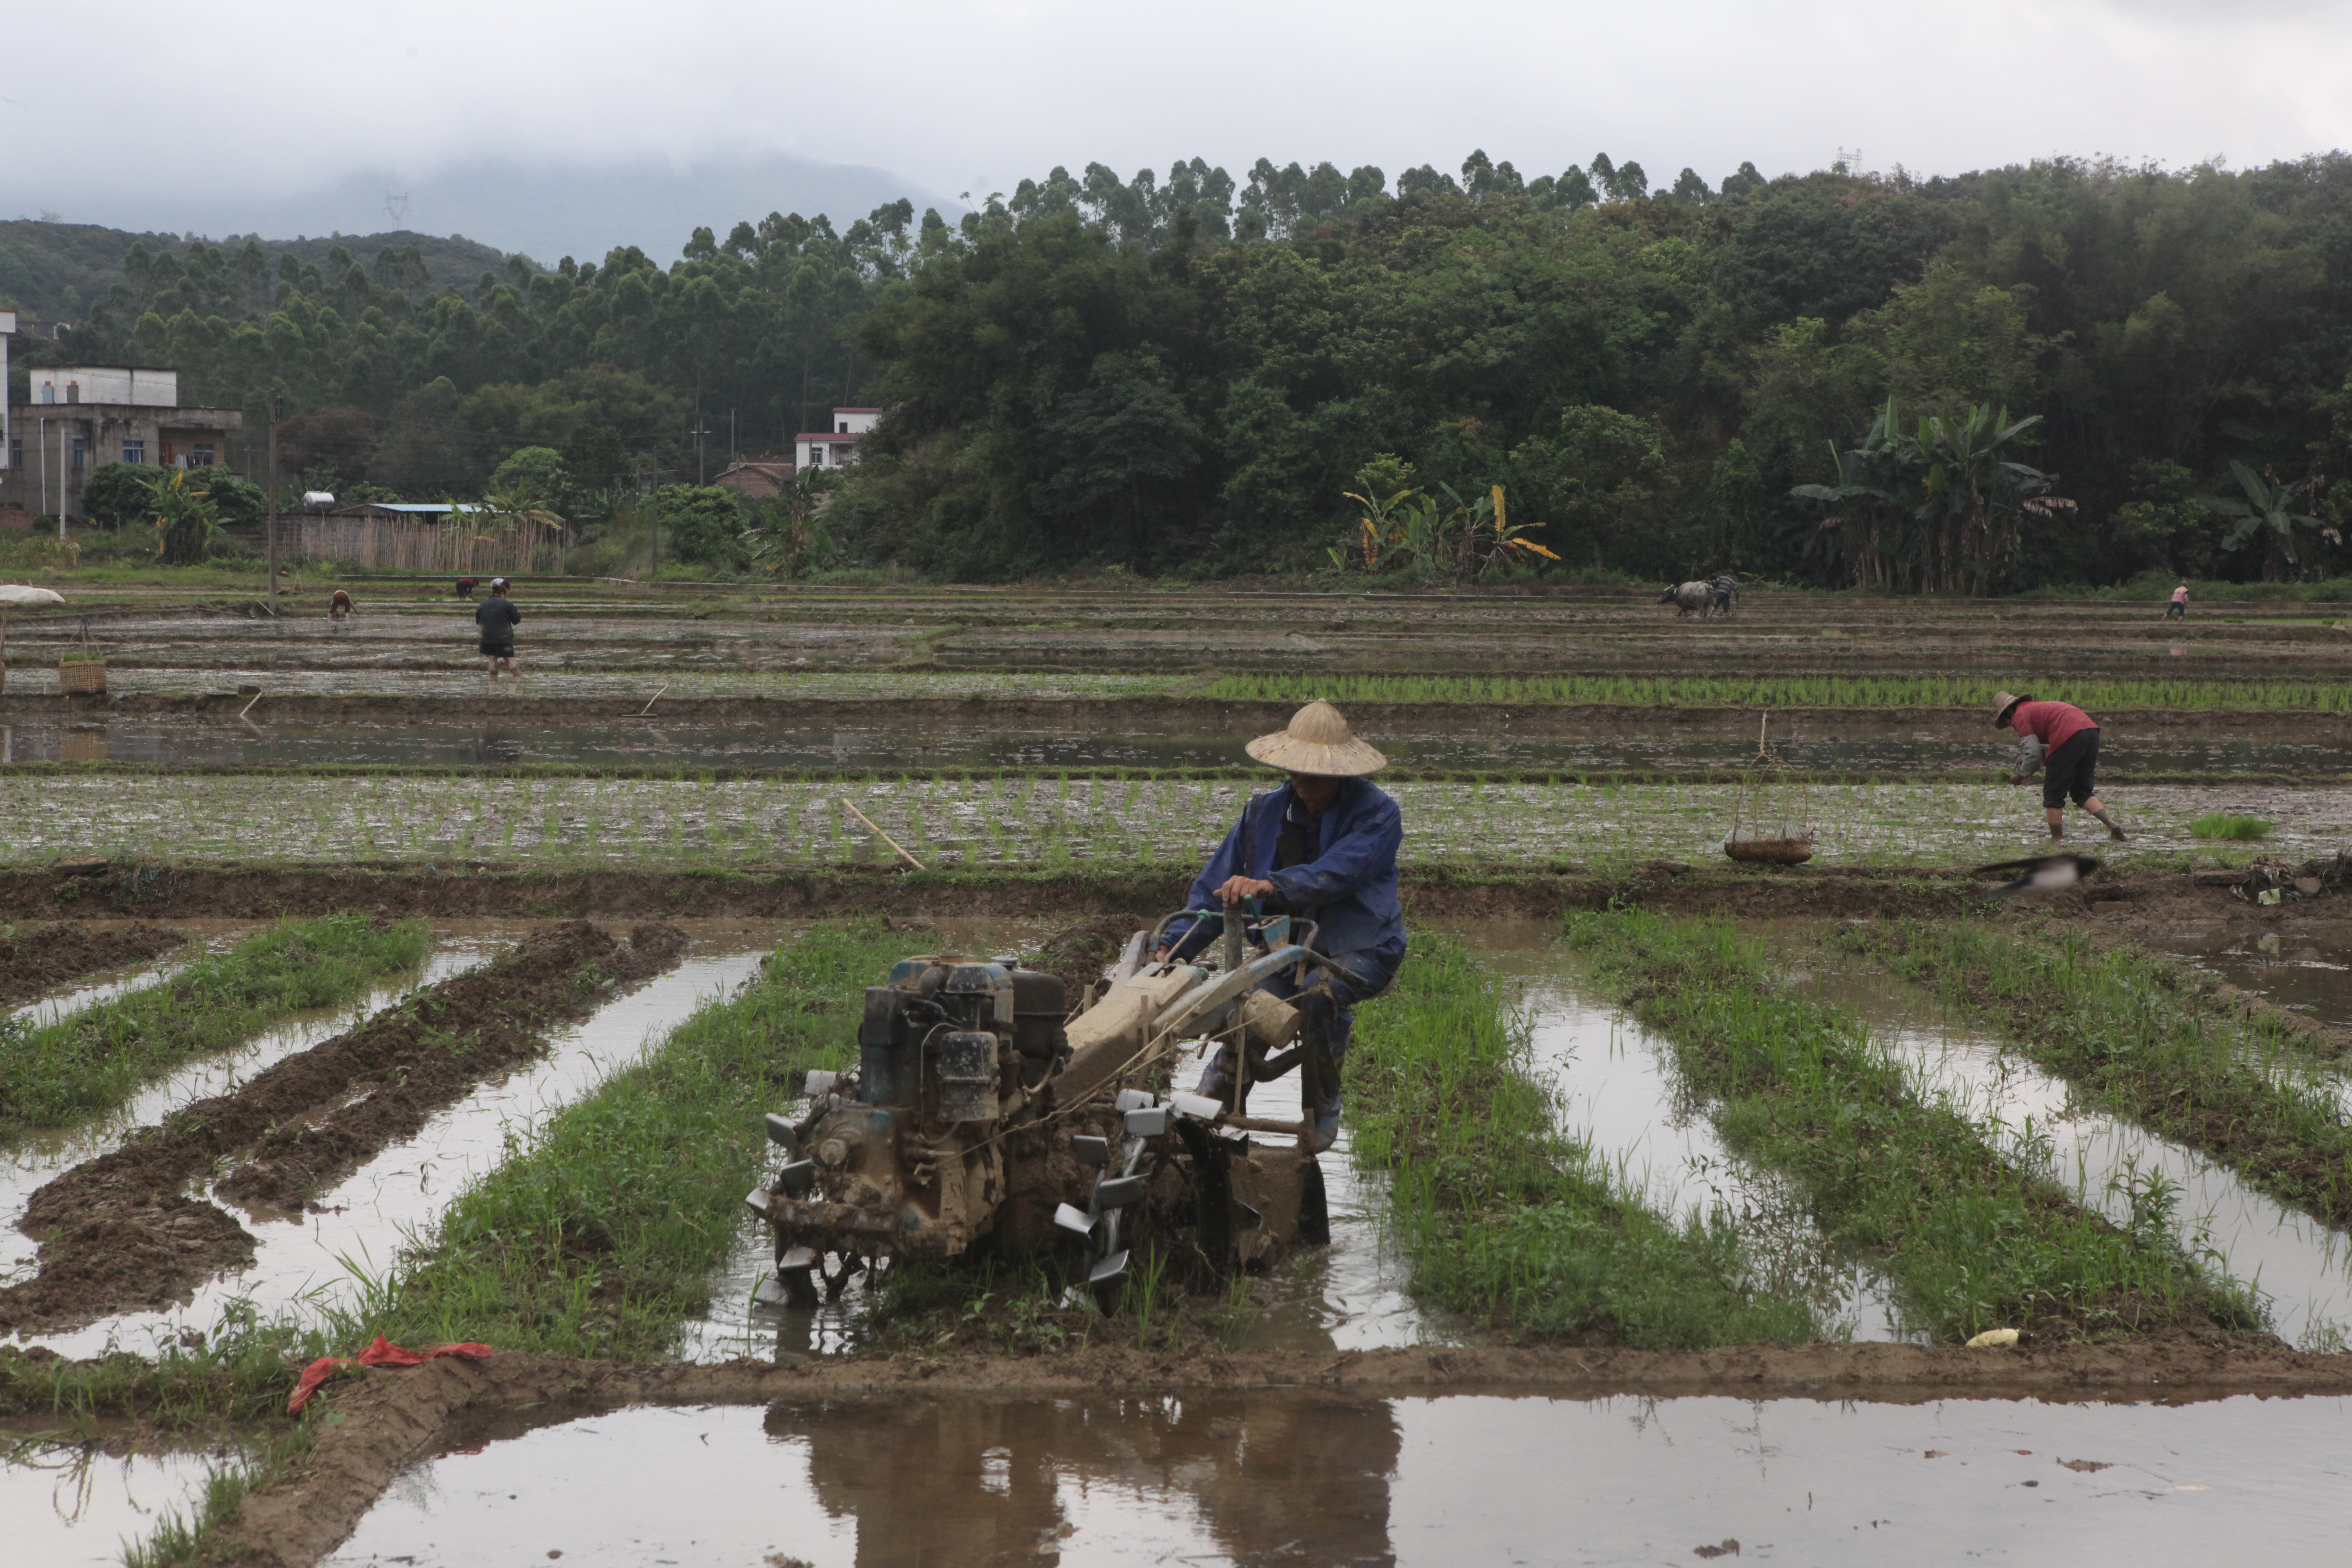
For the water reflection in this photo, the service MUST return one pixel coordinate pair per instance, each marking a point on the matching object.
(1309, 1475)
(1269, 1478)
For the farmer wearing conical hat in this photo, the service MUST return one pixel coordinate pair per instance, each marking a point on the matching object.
(2062, 738)
(1322, 846)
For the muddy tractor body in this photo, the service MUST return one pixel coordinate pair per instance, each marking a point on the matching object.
(989, 1109)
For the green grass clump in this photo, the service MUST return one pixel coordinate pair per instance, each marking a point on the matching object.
(2140, 1037)
(88, 1060)
(2222, 825)
(1764, 691)
(1504, 1217)
(599, 1237)
(1974, 1242)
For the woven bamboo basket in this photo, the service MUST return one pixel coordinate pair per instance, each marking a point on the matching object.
(82, 675)
(1773, 810)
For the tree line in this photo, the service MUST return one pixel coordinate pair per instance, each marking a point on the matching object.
(2075, 371)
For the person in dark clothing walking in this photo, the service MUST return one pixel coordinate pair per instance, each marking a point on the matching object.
(1324, 845)
(498, 617)
(2063, 738)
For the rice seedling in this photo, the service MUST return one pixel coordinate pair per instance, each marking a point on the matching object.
(595, 1238)
(1504, 1218)
(1974, 1240)
(2226, 825)
(82, 1063)
(1768, 691)
(2143, 1039)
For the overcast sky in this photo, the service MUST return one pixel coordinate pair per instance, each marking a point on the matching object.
(268, 98)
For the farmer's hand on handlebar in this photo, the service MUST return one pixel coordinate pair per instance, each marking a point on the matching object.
(1237, 889)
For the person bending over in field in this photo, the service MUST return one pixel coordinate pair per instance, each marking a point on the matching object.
(2178, 609)
(2062, 738)
(498, 617)
(1323, 846)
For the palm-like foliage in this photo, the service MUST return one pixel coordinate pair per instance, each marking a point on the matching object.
(186, 523)
(1450, 535)
(2267, 515)
(1936, 506)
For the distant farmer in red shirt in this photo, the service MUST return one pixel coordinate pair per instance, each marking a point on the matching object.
(2065, 740)
(2178, 609)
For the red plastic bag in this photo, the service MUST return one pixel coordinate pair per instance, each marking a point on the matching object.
(382, 1353)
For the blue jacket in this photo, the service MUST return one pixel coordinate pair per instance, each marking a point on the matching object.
(1350, 889)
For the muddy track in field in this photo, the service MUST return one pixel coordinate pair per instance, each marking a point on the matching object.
(44, 957)
(120, 1233)
(387, 1419)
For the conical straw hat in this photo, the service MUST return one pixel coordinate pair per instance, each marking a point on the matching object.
(2002, 702)
(1318, 742)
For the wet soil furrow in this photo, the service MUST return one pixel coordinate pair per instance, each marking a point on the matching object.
(44, 957)
(119, 1232)
(2155, 1061)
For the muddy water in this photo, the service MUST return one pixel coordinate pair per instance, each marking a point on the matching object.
(2303, 1268)
(2306, 967)
(314, 1260)
(1296, 1476)
(264, 740)
(38, 1157)
(1616, 1089)
(68, 1504)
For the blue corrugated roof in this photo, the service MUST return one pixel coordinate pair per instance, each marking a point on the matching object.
(426, 505)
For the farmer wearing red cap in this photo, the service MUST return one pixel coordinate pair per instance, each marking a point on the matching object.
(2062, 738)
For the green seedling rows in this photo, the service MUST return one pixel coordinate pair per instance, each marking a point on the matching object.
(953, 821)
(1502, 1217)
(598, 1236)
(2144, 1040)
(1974, 1240)
(58, 1072)
(1771, 691)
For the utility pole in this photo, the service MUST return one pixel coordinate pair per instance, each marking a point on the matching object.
(277, 407)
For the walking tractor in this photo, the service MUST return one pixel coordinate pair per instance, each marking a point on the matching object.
(985, 1113)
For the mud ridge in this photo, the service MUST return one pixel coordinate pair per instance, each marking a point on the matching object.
(44, 957)
(1077, 955)
(391, 1419)
(119, 1232)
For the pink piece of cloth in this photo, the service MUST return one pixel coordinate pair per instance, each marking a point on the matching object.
(382, 1353)
(2055, 722)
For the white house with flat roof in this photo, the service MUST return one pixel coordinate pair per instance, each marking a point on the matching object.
(79, 418)
(836, 447)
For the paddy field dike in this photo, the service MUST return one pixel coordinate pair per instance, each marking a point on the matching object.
(350, 992)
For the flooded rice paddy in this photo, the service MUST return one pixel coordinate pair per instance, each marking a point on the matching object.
(1298, 1476)
(266, 740)
(1047, 822)
(69, 1503)
(2305, 968)
(321, 1259)
(2301, 1266)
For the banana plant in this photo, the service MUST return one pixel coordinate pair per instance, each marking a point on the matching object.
(186, 523)
(2267, 513)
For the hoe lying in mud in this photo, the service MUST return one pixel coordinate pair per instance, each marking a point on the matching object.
(983, 1114)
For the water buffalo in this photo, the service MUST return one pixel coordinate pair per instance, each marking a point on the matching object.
(1688, 598)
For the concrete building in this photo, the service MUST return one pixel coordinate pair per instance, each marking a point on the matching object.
(836, 447)
(81, 417)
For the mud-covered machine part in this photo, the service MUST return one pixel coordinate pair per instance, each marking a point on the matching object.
(983, 1111)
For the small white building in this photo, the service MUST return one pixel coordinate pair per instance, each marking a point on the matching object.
(836, 447)
(77, 418)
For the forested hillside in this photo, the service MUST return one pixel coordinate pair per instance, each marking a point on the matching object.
(58, 271)
(1188, 374)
